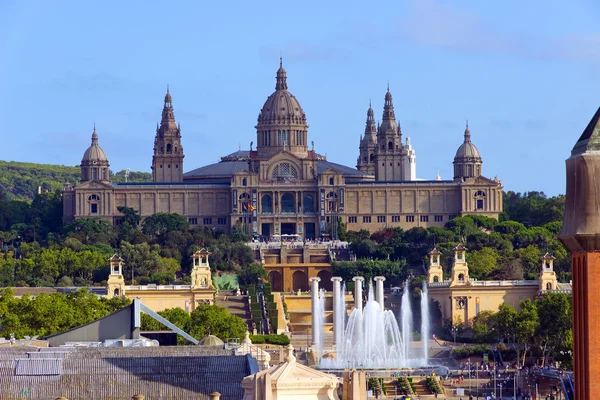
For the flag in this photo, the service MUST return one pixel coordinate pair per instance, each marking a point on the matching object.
(251, 207)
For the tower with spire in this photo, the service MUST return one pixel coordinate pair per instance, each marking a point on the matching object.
(368, 145)
(467, 162)
(167, 161)
(94, 164)
(390, 151)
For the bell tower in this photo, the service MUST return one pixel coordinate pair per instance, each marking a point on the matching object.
(460, 269)
(435, 272)
(167, 161)
(548, 279)
(116, 282)
(389, 159)
(368, 145)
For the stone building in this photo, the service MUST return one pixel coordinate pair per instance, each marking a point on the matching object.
(461, 298)
(285, 187)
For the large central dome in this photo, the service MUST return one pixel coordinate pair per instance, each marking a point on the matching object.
(281, 107)
(281, 123)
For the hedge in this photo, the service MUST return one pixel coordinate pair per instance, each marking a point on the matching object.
(281, 340)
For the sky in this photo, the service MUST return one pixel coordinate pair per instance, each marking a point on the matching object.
(525, 74)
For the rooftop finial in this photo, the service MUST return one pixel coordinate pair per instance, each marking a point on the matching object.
(388, 85)
(281, 77)
(467, 133)
(281, 62)
(167, 88)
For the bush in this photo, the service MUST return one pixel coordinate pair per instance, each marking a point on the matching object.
(280, 340)
(468, 351)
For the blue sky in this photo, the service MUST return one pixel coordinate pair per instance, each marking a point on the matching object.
(526, 74)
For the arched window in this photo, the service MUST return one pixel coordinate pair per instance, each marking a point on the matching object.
(116, 293)
(244, 182)
(371, 157)
(461, 277)
(266, 204)
(436, 279)
(93, 200)
(94, 197)
(287, 203)
(549, 286)
(479, 199)
(169, 148)
(285, 170)
(308, 205)
(390, 146)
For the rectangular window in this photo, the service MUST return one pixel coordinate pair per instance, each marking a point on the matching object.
(381, 218)
(410, 218)
(207, 221)
(193, 221)
(94, 208)
(424, 218)
(352, 220)
(331, 180)
(480, 204)
(438, 218)
(366, 220)
(222, 221)
(450, 217)
(395, 218)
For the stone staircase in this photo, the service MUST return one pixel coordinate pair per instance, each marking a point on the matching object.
(236, 305)
(421, 386)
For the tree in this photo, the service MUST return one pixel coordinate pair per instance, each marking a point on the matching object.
(250, 274)
(130, 216)
(215, 320)
(526, 323)
(482, 262)
(555, 315)
(158, 225)
(484, 327)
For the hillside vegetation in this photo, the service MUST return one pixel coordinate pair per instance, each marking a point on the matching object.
(20, 180)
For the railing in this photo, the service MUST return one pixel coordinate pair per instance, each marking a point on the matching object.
(505, 283)
(439, 284)
(162, 287)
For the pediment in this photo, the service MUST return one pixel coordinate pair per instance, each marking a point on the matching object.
(481, 180)
(284, 156)
(94, 185)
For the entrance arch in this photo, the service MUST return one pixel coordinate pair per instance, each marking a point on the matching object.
(276, 281)
(325, 280)
(299, 281)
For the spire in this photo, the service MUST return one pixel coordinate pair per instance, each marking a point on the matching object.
(467, 133)
(94, 136)
(281, 77)
(370, 128)
(388, 108)
(168, 117)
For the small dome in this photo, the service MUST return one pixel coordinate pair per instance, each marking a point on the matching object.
(467, 150)
(211, 340)
(94, 154)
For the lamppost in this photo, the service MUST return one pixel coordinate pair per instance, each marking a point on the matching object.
(454, 330)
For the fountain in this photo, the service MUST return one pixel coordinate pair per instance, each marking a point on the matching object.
(371, 337)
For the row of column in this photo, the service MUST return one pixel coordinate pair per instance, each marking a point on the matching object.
(358, 300)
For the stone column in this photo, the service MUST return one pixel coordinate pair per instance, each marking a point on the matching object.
(337, 330)
(379, 290)
(314, 283)
(358, 302)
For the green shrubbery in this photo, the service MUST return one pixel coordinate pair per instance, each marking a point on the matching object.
(280, 340)
(468, 351)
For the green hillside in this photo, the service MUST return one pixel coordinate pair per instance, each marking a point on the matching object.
(22, 179)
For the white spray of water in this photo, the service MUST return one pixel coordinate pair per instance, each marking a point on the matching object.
(425, 329)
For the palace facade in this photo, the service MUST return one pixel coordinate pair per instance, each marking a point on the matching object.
(283, 186)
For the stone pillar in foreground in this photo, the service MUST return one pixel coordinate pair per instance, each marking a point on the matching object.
(337, 330)
(314, 288)
(379, 290)
(580, 234)
(358, 285)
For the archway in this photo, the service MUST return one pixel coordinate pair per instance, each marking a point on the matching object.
(116, 293)
(299, 281)
(308, 203)
(266, 204)
(276, 281)
(436, 279)
(549, 286)
(287, 203)
(461, 278)
(325, 280)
